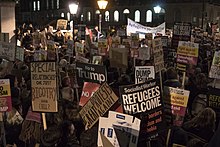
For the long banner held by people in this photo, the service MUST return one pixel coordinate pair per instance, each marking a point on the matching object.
(175, 101)
(90, 73)
(187, 54)
(44, 86)
(215, 68)
(144, 73)
(101, 101)
(144, 99)
(134, 27)
(5, 95)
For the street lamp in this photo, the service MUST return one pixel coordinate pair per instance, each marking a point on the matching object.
(102, 5)
(73, 10)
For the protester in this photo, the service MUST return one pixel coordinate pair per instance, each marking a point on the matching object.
(172, 78)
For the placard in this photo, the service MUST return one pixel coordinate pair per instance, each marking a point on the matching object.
(187, 54)
(118, 57)
(70, 48)
(158, 54)
(20, 53)
(120, 129)
(62, 24)
(144, 53)
(101, 101)
(215, 68)
(44, 90)
(7, 51)
(144, 73)
(90, 73)
(181, 32)
(88, 90)
(144, 99)
(175, 104)
(213, 100)
(79, 49)
(51, 50)
(5, 95)
(102, 46)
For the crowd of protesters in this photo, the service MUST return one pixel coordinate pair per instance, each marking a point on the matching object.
(66, 129)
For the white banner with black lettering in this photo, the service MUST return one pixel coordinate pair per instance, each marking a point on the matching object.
(144, 73)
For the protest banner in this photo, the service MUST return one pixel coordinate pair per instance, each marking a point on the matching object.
(20, 53)
(51, 50)
(134, 40)
(4, 37)
(144, 53)
(187, 54)
(213, 100)
(101, 101)
(40, 55)
(103, 46)
(5, 95)
(116, 41)
(44, 86)
(158, 54)
(120, 129)
(175, 101)
(144, 99)
(134, 27)
(140, 98)
(90, 73)
(88, 90)
(126, 42)
(79, 49)
(70, 48)
(144, 73)
(118, 57)
(97, 60)
(7, 51)
(61, 24)
(181, 32)
(215, 68)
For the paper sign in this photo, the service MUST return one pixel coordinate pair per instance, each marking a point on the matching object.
(214, 100)
(175, 102)
(5, 95)
(70, 48)
(118, 57)
(102, 46)
(144, 53)
(158, 54)
(62, 24)
(7, 51)
(90, 73)
(144, 73)
(44, 86)
(215, 68)
(51, 50)
(20, 53)
(88, 90)
(101, 101)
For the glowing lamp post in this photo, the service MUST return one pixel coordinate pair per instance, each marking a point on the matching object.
(73, 10)
(102, 5)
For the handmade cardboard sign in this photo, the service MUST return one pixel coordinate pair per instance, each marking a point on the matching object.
(5, 95)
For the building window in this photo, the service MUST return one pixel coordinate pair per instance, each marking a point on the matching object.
(68, 16)
(116, 16)
(88, 16)
(106, 15)
(47, 4)
(126, 11)
(38, 5)
(52, 4)
(97, 12)
(149, 15)
(137, 16)
(34, 5)
(58, 4)
(81, 17)
(62, 15)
